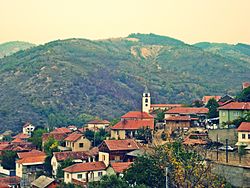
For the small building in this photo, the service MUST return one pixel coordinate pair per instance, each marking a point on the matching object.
(164, 107)
(97, 124)
(10, 182)
(118, 168)
(225, 99)
(84, 172)
(177, 122)
(232, 111)
(130, 123)
(30, 163)
(77, 142)
(28, 129)
(116, 150)
(22, 136)
(44, 182)
(62, 130)
(244, 135)
(76, 156)
(205, 99)
(58, 136)
(196, 139)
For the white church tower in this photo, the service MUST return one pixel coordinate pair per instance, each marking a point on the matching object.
(146, 102)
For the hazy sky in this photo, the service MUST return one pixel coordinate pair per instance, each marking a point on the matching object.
(40, 21)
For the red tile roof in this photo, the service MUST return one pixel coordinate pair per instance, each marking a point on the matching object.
(27, 124)
(120, 167)
(133, 124)
(22, 136)
(97, 121)
(245, 85)
(165, 105)
(10, 180)
(61, 130)
(17, 140)
(205, 99)
(116, 145)
(236, 106)
(83, 167)
(61, 156)
(187, 110)
(137, 115)
(56, 135)
(93, 151)
(30, 154)
(178, 118)
(73, 137)
(244, 126)
(32, 159)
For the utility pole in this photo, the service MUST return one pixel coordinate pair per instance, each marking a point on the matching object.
(226, 150)
(217, 148)
(166, 177)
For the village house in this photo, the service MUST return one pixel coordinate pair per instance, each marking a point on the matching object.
(164, 107)
(28, 129)
(118, 168)
(84, 172)
(232, 111)
(225, 99)
(22, 136)
(29, 163)
(197, 115)
(205, 99)
(177, 122)
(130, 123)
(10, 182)
(75, 156)
(77, 142)
(244, 135)
(97, 124)
(116, 150)
(44, 182)
(196, 139)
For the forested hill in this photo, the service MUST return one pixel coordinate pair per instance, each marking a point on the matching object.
(70, 81)
(9, 48)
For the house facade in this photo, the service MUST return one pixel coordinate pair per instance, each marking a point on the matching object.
(232, 111)
(77, 142)
(177, 122)
(28, 129)
(97, 124)
(244, 135)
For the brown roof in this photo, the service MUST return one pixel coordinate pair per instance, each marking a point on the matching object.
(30, 154)
(97, 121)
(115, 145)
(56, 135)
(10, 180)
(244, 126)
(93, 151)
(17, 140)
(61, 156)
(133, 124)
(245, 85)
(83, 167)
(205, 99)
(21, 136)
(187, 110)
(73, 137)
(33, 159)
(166, 105)
(178, 118)
(61, 130)
(137, 115)
(120, 167)
(236, 106)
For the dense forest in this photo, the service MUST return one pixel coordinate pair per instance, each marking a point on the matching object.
(72, 81)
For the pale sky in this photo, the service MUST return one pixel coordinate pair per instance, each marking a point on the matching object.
(40, 21)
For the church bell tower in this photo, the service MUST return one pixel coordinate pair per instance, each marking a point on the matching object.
(146, 102)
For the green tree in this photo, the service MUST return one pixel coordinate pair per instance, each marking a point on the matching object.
(36, 138)
(144, 134)
(160, 116)
(244, 96)
(9, 159)
(64, 164)
(112, 181)
(212, 105)
(50, 146)
(68, 185)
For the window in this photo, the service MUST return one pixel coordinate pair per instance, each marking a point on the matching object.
(243, 136)
(236, 114)
(79, 176)
(146, 104)
(68, 176)
(146, 100)
(99, 174)
(248, 136)
(80, 145)
(103, 158)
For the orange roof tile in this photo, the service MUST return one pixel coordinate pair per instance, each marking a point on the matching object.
(178, 118)
(56, 135)
(10, 180)
(187, 110)
(73, 137)
(32, 159)
(205, 99)
(115, 145)
(61, 156)
(236, 106)
(22, 136)
(165, 105)
(83, 167)
(244, 126)
(17, 140)
(97, 121)
(30, 154)
(133, 124)
(120, 167)
(137, 115)
(61, 130)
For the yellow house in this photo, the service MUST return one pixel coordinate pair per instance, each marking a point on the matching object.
(97, 124)
(77, 142)
(84, 172)
(244, 135)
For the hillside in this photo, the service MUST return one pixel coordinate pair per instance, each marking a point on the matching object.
(9, 48)
(70, 81)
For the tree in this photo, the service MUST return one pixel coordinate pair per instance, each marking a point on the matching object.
(36, 138)
(96, 137)
(50, 146)
(9, 159)
(144, 134)
(68, 185)
(112, 181)
(146, 171)
(64, 164)
(244, 96)
(212, 105)
(160, 115)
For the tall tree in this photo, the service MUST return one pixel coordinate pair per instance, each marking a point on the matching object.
(36, 138)
(212, 105)
(244, 96)
(8, 159)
